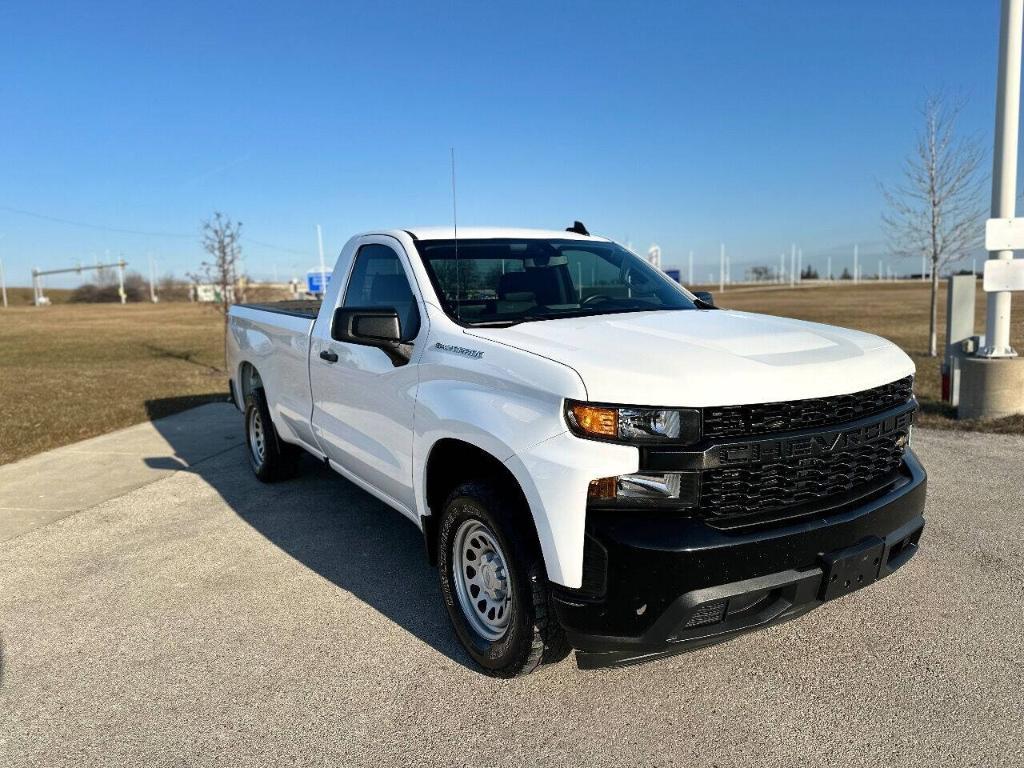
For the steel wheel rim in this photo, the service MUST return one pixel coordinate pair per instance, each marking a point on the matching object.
(257, 437)
(482, 584)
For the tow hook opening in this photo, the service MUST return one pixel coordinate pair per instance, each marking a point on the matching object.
(903, 550)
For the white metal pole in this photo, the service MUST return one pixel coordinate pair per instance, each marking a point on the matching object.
(120, 281)
(721, 267)
(323, 269)
(691, 269)
(856, 264)
(1004, 167)
(830, 269)
(152, 281)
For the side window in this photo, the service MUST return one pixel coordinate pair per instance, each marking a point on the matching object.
(378, 281)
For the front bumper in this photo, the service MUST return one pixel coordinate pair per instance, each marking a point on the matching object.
(675, 584)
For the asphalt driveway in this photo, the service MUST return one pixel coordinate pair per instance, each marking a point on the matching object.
(191, 616)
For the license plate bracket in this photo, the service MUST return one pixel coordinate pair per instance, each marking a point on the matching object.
(847, 570)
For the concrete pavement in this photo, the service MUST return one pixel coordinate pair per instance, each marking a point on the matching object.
(205, 619)
(51, 485)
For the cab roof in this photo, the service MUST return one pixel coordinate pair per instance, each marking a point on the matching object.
(494, 233)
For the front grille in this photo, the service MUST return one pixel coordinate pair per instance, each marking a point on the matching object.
(765, 418)
(734, 495)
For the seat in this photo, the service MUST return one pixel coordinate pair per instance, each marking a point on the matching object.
(542, 283)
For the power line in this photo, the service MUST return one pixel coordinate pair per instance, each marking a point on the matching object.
(140, 232)
(275, 247)
(99, 227)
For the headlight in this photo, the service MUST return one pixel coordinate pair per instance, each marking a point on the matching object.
(634, 425)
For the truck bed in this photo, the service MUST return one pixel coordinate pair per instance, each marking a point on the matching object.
(305, 308)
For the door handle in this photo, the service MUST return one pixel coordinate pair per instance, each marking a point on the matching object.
(329, 355)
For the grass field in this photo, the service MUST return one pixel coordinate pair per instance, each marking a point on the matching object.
(72, 371)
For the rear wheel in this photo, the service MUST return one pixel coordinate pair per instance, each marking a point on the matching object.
(270, 457)
(493, 582)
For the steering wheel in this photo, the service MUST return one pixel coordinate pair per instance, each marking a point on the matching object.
(595, 297)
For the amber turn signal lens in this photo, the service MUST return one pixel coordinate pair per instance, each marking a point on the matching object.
(603, 488)
(602, 422)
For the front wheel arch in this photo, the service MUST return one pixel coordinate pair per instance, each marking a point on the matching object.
(452, 462)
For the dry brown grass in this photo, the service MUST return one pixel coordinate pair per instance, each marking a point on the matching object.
(73, 371)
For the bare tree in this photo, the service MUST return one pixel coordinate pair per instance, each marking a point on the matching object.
(937, 211)
(220, 236)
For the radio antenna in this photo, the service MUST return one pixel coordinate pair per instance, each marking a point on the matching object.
(455, 229)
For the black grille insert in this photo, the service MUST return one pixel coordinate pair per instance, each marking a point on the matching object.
(765, 418)
(794, 482)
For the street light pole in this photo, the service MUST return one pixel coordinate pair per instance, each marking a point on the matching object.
(1004, 167)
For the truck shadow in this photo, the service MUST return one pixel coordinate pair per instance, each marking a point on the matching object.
(326, 523)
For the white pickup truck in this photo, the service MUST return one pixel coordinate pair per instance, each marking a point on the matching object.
(598, 459)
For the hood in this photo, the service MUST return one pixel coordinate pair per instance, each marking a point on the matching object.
(707, 357)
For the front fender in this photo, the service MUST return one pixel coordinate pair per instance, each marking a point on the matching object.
(555, 476)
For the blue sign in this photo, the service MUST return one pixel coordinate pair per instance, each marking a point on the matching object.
(317, 281)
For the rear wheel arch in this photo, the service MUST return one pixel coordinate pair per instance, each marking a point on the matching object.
(248, 381)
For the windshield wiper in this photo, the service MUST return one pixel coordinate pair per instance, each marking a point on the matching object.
(494, 323)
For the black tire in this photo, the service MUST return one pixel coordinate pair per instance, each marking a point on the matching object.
(533, 635)
(277, 460)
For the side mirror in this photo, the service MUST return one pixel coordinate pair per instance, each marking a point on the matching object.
(371, 327)
(705, 297)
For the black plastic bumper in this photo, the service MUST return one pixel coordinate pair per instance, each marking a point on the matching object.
(675, 584)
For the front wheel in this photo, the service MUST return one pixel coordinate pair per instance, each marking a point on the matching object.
(493, 582)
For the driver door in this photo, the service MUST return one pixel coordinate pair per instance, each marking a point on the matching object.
(362, 400)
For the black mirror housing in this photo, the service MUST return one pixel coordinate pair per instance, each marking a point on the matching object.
(705, 297)
(371, 326)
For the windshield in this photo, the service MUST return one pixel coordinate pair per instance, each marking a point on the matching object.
(503, 282)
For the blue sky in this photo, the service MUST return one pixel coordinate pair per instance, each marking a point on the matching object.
(681, 123)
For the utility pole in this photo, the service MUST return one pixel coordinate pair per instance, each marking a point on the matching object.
(120, 281)
(721, 268)
(1004, 168)
(323, 269)
(992, 382)
(152, 281)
